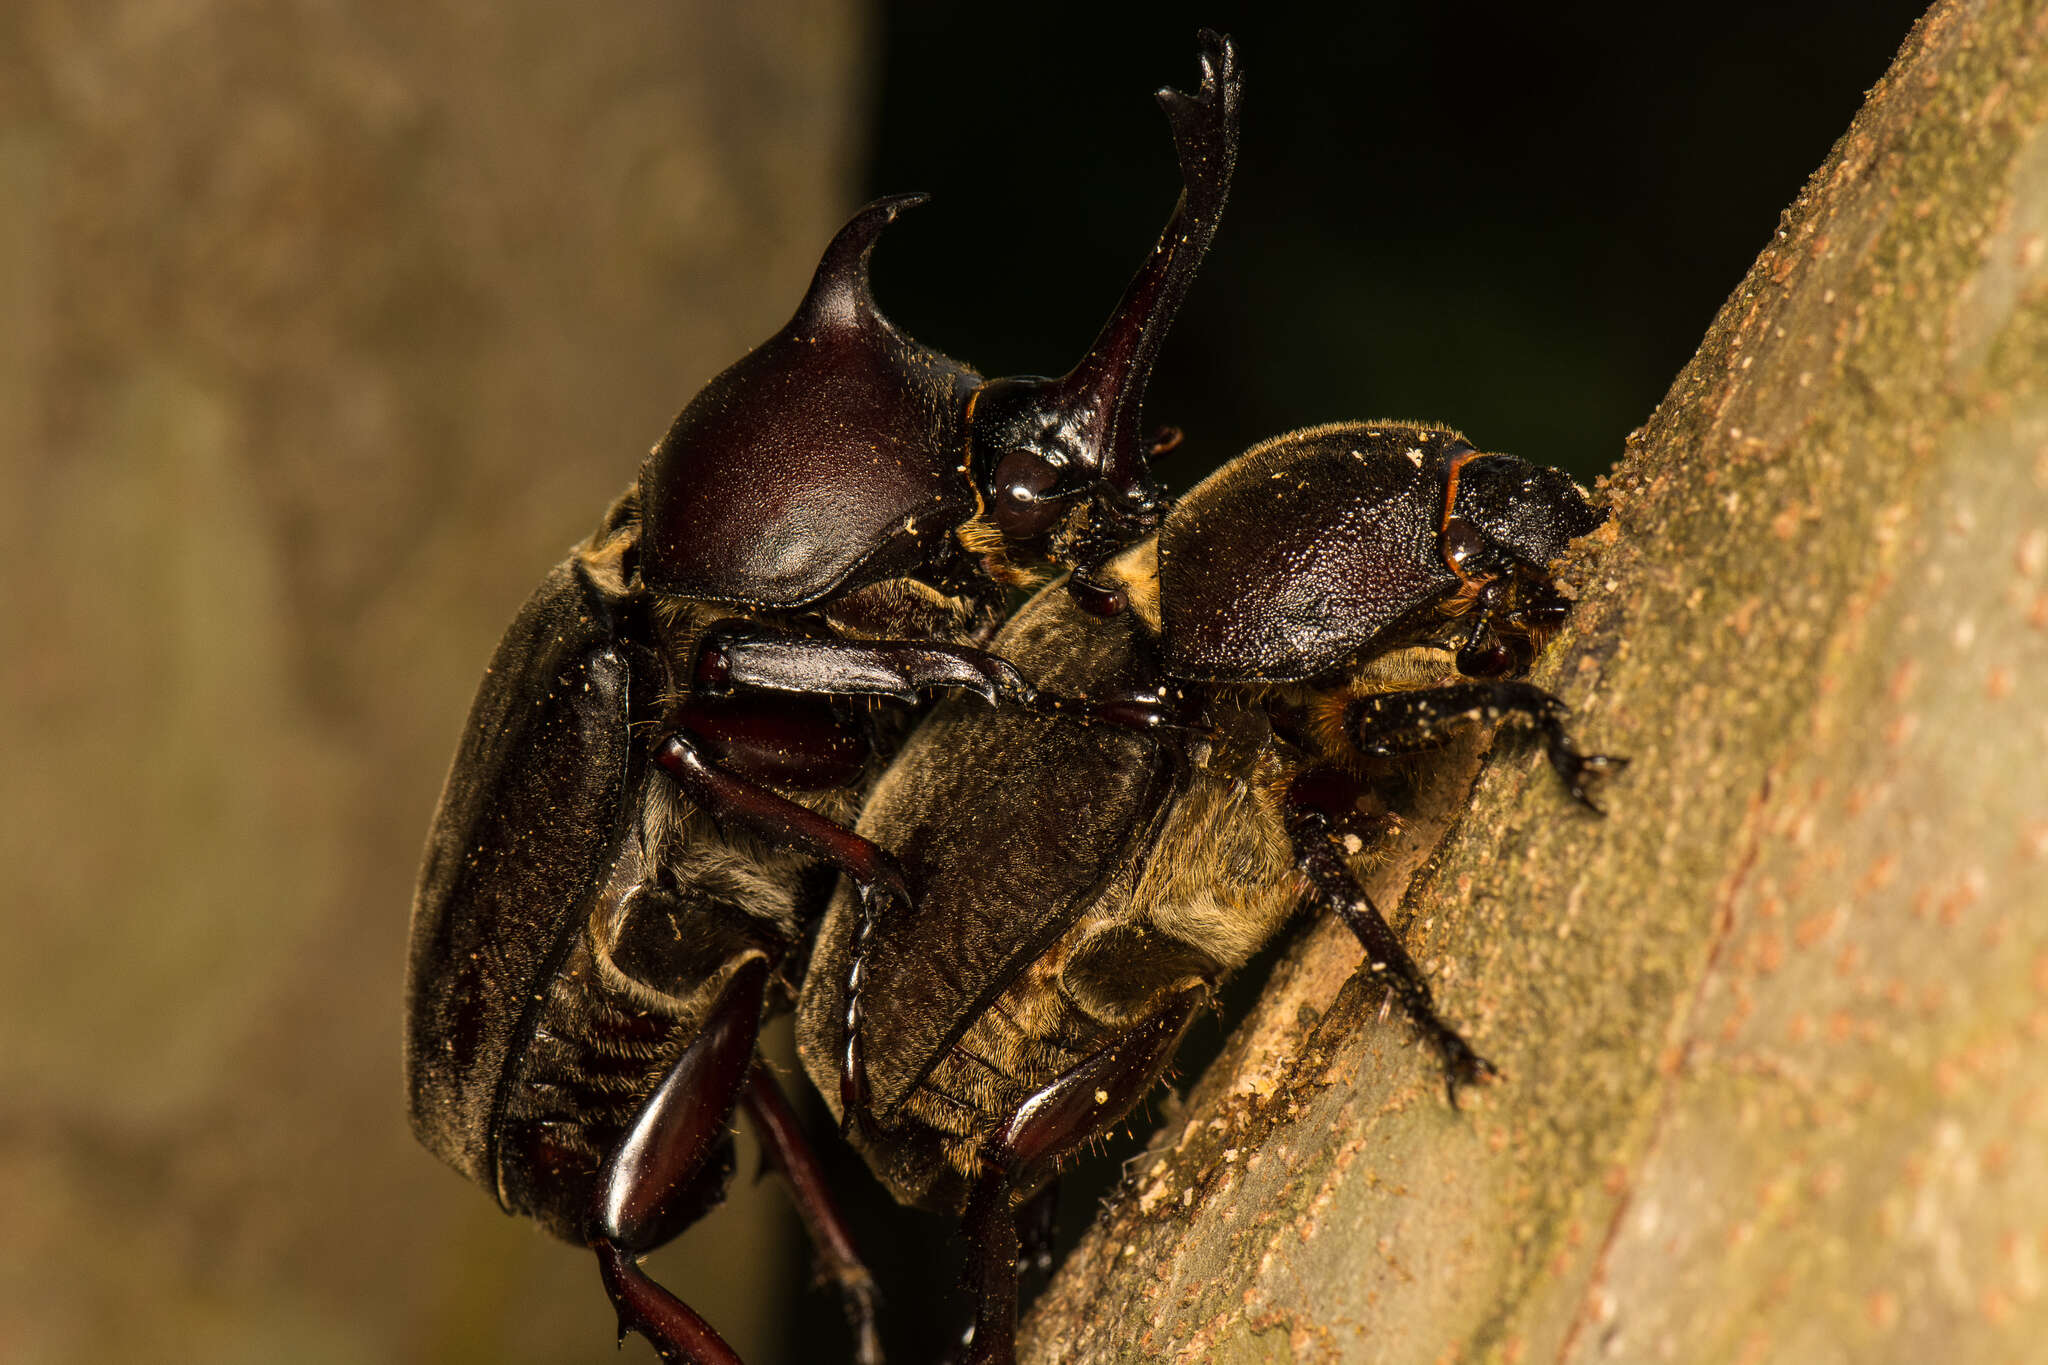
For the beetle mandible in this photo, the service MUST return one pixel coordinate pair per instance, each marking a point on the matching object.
(655, 781)
(1325, 604)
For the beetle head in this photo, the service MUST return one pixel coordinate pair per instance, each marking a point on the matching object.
(1059, 468)
(1504, 521)
(840, 452)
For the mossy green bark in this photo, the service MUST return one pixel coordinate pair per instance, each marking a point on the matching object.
(1772, 1033)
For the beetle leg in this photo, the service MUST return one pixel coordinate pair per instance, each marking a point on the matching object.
(785, 1148)
(737, 656)
(735, 801)
(991, 1220)
(744, 657)
(1051, 1123)
(1313, 829)
(1144, 709)
(853, 1066)
(1391, 723)
(679, 1335)
(651, 1186)
(1037, 1221)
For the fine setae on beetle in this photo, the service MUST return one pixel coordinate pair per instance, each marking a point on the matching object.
(654, 788)
(1321, 608)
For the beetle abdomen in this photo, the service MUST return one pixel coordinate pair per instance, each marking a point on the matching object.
(601, 1046)
(1022, 1041)
(588, 1065)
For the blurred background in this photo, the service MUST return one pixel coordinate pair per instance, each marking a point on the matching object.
(325, 329)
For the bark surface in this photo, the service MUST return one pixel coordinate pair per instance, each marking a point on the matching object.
(1773, 1033)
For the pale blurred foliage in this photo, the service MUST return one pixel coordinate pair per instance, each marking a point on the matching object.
(324, 330)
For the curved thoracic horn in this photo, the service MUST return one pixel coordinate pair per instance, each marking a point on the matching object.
(840, 296)
(824, 458)
(1092, 413)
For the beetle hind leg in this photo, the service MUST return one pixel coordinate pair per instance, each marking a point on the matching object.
(1051, 1124)
(678, 1334)
(670, 1167)
(784, 1147)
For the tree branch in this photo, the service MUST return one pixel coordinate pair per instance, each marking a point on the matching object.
(1772, 1034)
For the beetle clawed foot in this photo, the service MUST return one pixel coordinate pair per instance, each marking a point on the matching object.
(1002, 684)
(1578, 770)
(879, 890)
(1462, 1066)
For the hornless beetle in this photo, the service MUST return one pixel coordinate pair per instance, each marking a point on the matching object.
(654, 786)
(1319, 608)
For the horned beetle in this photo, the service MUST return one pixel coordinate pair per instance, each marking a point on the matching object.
(668, 746)
(1325, 604)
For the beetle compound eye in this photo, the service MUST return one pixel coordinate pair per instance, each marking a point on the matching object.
(1020, 486)
(1463, 546)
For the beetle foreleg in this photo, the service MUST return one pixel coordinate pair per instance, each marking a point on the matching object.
(1388, 724)
(784, 1147)
(1310, 828)
(738, 656)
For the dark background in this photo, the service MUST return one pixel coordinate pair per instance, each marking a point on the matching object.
(1514, 219)
(1517, 219)
(326, 328)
